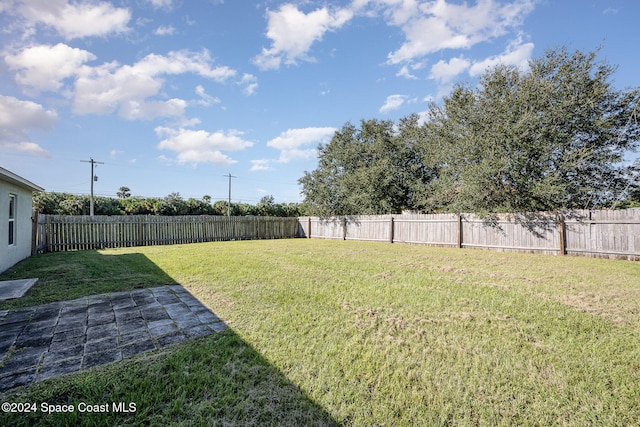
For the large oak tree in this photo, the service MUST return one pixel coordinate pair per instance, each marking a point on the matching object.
(373, 169)
(550, 138)
(553, 137)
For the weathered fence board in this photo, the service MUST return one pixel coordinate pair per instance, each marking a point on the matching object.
(529, 233)
(369, 227)
(328, 228)
(435, 229)
(64, 233)
(603, 233)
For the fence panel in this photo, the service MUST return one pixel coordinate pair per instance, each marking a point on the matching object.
(603, 233)
(65, 233)
(368, 227)
(434, 229)
(327, 228)
(610, 234)
(526, 232)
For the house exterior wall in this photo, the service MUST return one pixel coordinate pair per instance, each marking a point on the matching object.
(21, 247)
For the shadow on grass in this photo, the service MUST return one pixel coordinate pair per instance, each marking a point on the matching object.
(69, 275)
(216, 380)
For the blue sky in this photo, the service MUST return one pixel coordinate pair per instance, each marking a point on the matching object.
(171, 95)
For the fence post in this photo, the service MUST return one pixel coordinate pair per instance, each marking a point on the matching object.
(344, 228)
(309, 228)
(34, 231)
(459, 230)
(561, 231)
(391, 230)
(140, 232)
(47, 234)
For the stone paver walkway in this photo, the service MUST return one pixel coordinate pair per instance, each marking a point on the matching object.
(10, 289)
(54, 339)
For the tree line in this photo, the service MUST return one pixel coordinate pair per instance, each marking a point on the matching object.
(553, 137)
(172, 205)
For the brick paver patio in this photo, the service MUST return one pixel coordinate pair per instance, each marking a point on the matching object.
(55, 339)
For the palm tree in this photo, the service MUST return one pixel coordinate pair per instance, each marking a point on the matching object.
(124, 192)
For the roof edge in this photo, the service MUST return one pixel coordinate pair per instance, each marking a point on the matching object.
(18, 180)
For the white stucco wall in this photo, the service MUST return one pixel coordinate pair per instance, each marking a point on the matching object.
(11, 254)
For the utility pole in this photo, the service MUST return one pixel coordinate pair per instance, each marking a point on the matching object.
(229, 202)
(93, 178)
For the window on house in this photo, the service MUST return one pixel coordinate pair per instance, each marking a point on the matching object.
(12, 219)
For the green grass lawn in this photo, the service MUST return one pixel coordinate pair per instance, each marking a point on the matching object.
(356, 333)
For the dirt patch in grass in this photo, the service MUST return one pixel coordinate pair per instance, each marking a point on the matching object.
(617, 305)
(385, 275)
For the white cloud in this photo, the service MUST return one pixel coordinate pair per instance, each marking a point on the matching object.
(148, 110)
(393, 102)
(128, 89)
(400, 12)
(206, 99)
(183, 61)
(200, 91)
(293, 143)
(165, 30)
(161, 3)
(18, 114)
(76, 20)
(6, 5)
(250, 89)
(517, 54)
(45, 67)
(17, 117)
(134, 91)
(444, 72)
(292, 32)
(250, 83)
(428, 25)
(404, 72)
(165, 160)
(103, 89)
(436, 25)
(199, 146)
(260, 165)
(110, 87)
(25, 147)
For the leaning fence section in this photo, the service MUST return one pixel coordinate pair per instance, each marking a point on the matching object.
(56, 233)
(598, 233)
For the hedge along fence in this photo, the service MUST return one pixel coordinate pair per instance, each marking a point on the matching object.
(602, 233)
(55, 233)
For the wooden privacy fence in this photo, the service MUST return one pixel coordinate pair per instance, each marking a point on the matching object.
(602, 233)
(65, 233)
